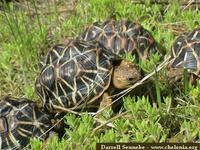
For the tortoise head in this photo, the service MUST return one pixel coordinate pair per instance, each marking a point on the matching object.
(125, 75)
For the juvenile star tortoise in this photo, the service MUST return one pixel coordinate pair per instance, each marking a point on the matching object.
(185, 55)
(74, 74)
(21, 120)
(80, 72)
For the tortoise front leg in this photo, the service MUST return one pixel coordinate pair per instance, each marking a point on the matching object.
(106, 101)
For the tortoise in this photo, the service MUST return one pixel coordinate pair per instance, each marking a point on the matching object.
(79, 73)
(185, 55)
(21, 120)
(122, 37)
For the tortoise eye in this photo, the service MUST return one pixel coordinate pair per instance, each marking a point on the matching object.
(131, 79)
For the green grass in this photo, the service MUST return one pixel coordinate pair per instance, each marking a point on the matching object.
(25, 38)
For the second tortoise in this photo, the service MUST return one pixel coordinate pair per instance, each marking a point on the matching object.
(185, 55)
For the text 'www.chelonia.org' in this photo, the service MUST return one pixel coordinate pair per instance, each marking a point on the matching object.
(147, 146)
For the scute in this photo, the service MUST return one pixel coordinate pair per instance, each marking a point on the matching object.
(53, 54)
(3, 125)
(67, 71)
(50, 77)
(190, 61)
(178, 45)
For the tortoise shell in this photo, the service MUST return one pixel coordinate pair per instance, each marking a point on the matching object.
(73, 75)
(186, 52)
(21, 120)
(121, 37)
